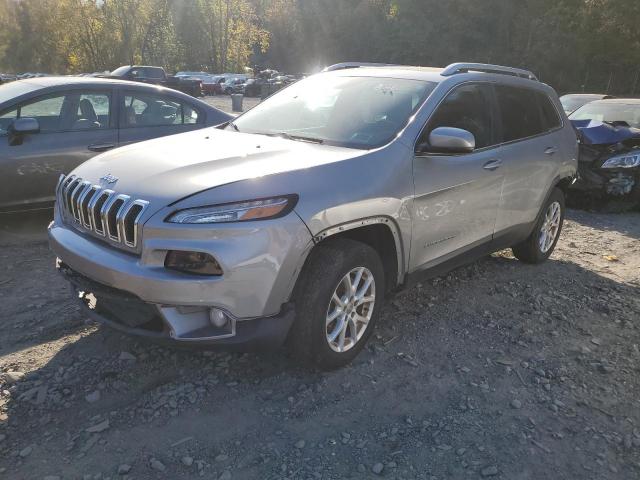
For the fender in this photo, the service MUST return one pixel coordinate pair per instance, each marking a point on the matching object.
(365, 222)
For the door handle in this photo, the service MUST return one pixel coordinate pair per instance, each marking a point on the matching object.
(492, 164)
(101, 147)
(550, 151)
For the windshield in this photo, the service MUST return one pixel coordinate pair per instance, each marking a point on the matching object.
(9, 91)
(355, 112)
(609, 112)
(120, 71)
(571, 103)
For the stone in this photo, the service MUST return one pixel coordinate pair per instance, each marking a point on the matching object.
(126, 357)
(124, 469)
(300, 444)
(25, 452)
(12, 377)
(100, 427)
(377, 468)
(490, 471)
(187, 461)
(93, 396)
(157, 465)
(226, 475)
(515, 403)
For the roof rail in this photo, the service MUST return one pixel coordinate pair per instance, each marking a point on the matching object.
(486, 68)
(347, 65)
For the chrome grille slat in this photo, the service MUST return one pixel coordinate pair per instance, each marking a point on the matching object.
(100, 211)
(83, 202)
(75, 199)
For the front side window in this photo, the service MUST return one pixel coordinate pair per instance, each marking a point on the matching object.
(468, 107)
(48, 112)
(151, 110)
(519, 111)
(72, 111)
(355, 112)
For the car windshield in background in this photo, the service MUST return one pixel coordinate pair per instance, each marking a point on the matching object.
(609, 112)
(121, 70)
(355, 112)
(571, 103)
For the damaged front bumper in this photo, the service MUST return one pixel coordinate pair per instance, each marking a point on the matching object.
(129, 314)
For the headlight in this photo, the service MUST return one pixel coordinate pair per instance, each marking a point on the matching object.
(623, 161)
(262, 209)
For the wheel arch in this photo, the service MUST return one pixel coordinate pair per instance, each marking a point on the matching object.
(380, 233)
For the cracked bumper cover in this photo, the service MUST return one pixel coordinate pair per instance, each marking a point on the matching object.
(138, 295)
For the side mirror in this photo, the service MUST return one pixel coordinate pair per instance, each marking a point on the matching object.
(21, 127)
(449, 140)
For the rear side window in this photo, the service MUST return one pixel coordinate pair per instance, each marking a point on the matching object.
(468, 107)
(152, 110)
(550, 117)
(519, 112)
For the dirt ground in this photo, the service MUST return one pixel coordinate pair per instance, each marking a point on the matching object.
(498, 370)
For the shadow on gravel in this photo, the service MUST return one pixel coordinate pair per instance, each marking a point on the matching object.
(623, 223)
(28, 227)
(433, 390)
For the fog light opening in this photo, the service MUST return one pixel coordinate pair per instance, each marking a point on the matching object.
(218, 318)
(196, 263)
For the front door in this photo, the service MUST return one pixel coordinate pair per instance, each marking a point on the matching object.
(74, 126)
(457, 196)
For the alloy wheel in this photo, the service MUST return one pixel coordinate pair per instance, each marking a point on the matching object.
(350, 309)
(550, 227)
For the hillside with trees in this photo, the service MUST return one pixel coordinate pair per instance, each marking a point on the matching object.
(571, 44)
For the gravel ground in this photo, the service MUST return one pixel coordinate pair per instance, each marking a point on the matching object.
(223, 102)
(498, 370)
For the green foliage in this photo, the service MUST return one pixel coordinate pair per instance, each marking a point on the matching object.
(571, 44)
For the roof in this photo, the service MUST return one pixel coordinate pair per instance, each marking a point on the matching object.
(432, 74)
(619, 101)
(429, 74)
(587, 95)
(44, 82)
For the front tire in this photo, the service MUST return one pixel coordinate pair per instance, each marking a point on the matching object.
(542, 241)
(337, 299)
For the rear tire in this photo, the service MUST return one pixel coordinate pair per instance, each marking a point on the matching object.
(332, 325)
(540, 244)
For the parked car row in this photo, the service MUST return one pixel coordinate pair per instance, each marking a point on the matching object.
(157, 76)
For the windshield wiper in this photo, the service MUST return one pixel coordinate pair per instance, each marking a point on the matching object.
(230, 123)
(299, 138)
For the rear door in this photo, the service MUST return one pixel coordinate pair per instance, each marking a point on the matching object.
(457, 196)
(75, 125)
(145, 115)
(532, 139)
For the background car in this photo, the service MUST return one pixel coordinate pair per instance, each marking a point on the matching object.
(609, 160)
(48, 126)
(234, 85)
(573, 101)
(157, 76)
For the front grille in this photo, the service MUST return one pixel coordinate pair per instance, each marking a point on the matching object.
(101, 211)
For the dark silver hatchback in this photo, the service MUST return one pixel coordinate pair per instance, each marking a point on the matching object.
(50, 125)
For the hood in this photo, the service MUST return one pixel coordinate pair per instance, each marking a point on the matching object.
(594, 132)
(168, 169)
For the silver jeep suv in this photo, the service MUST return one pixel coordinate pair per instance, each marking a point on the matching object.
(291, 223)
